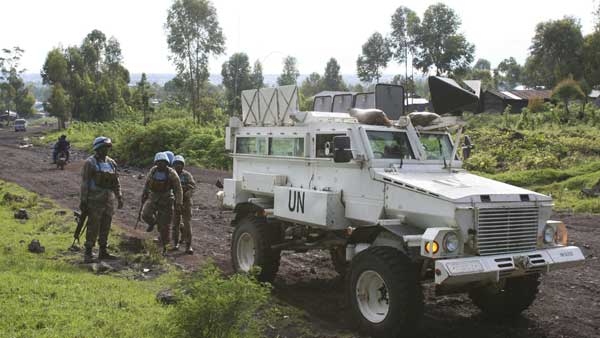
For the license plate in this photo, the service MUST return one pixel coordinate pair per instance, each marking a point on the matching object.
(459, 268)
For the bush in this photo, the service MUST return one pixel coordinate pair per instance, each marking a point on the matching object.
(536, 105)
(214, 307)
(482, 162)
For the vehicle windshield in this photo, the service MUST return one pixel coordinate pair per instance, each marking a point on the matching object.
(19, 122)
(390, 145)
(437, 146)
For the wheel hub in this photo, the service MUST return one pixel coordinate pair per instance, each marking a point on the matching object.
(245, 252)
(372, 296)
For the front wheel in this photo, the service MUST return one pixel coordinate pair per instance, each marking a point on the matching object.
(251, 246)
(385, 293)
(508, 298)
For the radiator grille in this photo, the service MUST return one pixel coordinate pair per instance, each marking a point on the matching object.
(505, 230)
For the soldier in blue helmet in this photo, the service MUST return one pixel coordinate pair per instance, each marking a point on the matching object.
(100, 188)
(170, 156)
(185, 214)
(162, 188)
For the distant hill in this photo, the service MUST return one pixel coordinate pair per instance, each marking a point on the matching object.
(270, 79)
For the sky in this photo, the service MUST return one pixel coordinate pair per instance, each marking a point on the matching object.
(267, 30)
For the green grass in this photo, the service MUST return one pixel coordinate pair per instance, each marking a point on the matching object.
(53, 295)
(46, 295)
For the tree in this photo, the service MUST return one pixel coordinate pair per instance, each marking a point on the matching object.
(482, 64)
(143, 94)
(566, 91)
(597, 15)
(193, 35)
(58, 105)
(236, 78)
(376, 53)
(332, 79)
(311, 85)
(257, 79)
(405, 22)
(438, 43)
(290, 73)
(508, 74)
(14, 95)
(555, 53)
(591, 59)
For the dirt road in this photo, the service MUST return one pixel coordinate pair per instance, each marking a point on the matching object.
(567, 306)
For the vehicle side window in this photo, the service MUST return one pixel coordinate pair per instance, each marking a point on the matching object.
(251, 145)
(324, 145)
(281, 146)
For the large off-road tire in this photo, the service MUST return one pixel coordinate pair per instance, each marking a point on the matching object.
(508, 298)
(251, 246)
(338, 258)
(385, 293)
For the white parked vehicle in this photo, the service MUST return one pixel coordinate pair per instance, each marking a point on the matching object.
(389, 201)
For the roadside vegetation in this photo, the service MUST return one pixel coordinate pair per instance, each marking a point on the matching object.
(51, 294)
(550, 151)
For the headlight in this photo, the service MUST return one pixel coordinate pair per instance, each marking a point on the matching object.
(549, 234)
(451, 242)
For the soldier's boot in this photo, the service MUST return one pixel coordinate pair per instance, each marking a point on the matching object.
(88, 257)
(150, 227)
(188, 249)
(105, 255)
(175, 236)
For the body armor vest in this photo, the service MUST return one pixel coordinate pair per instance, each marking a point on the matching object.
(160, 181)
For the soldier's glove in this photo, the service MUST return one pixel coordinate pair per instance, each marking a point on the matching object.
(120, 203)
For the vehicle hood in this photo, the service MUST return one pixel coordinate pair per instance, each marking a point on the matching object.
(458, 186)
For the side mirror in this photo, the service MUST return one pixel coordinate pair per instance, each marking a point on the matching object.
(467, 146)
(342, 152)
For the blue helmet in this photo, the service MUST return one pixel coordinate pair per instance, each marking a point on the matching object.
(179, 158)
(161, 157)
(170, 155)
(101, 141)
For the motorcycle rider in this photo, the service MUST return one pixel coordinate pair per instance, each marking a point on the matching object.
(162, 188)
(61, 146)
(99, 188)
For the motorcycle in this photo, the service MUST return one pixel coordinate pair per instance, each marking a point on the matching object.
(61, 160)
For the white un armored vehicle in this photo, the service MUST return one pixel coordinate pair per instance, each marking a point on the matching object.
(389, 200)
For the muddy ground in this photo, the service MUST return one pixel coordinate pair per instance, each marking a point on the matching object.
(567, 306)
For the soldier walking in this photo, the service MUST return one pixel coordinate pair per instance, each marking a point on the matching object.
(99, 188)
(158, 197)
(185, 214)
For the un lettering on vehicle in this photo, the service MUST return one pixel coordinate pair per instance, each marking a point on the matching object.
(318, 208)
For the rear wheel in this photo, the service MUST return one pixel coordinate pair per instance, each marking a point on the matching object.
(508, 298)
(385, 293)
(251, 246)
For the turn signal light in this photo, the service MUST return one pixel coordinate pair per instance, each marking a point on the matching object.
(561, 236)
(432, 247)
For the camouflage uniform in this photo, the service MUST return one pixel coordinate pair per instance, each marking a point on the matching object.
(99, 188)
(188, 184)
(158, 208)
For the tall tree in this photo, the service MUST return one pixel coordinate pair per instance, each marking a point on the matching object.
(376, 54)
(508, 74)
(193, 35)
(257, 78)
(236, 78)
(597, 15)
(404, 23)
(555, 53)
(58, 105)
(143, 94)
(290, 73)
(14, 95)
(332, 79)
(591, 58)
(439, 44)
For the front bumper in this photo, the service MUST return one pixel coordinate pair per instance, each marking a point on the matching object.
(492, 268)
